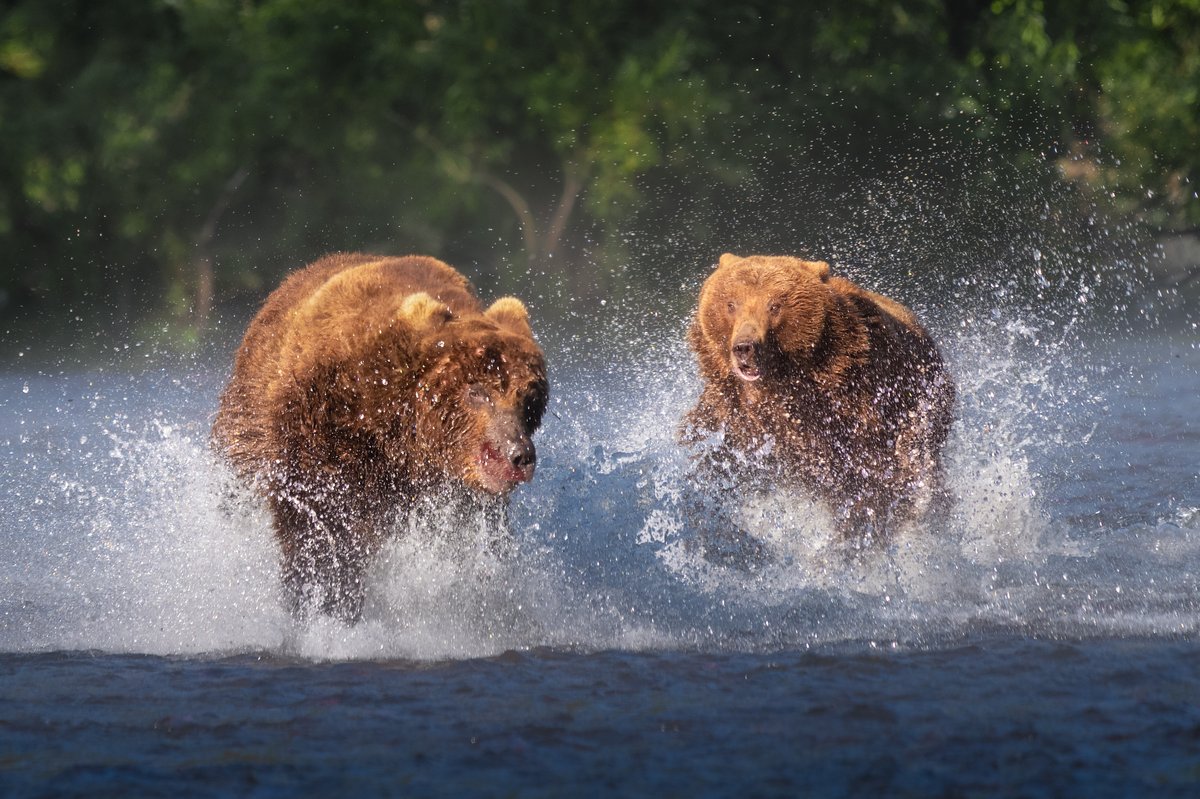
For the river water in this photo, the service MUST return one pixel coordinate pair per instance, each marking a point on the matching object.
(1042, 641)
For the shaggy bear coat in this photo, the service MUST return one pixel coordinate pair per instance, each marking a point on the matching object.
(363, 384)
(818, 383)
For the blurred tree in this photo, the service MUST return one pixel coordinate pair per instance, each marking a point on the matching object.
(159, 155)
(549, 103)
(1120, 79)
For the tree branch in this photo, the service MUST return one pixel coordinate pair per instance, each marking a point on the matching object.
(520, 207)
(574, 180)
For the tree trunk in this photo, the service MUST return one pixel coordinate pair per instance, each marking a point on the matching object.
(202, 262)
(541, 247)
(520, 207)
(574, 180)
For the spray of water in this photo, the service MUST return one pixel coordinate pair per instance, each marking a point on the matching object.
(128, 535)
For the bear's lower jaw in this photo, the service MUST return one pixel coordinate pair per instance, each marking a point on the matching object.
(748, 373)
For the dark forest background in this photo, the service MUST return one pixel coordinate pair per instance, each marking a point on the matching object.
(164, 160)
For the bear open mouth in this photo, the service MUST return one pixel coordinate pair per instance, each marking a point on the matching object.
(747, 371)
(746, 359)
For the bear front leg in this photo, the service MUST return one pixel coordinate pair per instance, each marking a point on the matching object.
(863, 503)
(323, 562)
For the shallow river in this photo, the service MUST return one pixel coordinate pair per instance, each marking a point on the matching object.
(1044, 641)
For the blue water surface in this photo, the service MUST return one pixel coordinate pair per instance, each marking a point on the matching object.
(1008, 717)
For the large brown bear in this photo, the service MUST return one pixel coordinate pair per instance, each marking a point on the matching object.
(820, 384)
(364, 383)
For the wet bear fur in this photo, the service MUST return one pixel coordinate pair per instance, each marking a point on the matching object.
(364, 384)
(813, 382)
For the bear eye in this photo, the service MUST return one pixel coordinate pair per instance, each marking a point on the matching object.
(477, 394)
(774, 307)
(732, 307)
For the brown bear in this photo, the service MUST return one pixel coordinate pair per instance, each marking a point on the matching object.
(363, 384)
(819, 384)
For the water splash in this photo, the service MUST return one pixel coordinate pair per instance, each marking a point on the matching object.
(1072, 464)
(131, 537)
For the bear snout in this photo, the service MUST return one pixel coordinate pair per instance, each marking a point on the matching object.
(505, 465)
(746, 360)
(507, 456)
(522, 455)
(520, 459)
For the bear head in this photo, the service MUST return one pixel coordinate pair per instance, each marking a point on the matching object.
(756, 313)
(481, 392)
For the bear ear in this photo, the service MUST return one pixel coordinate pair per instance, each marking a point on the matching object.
(510, 314)
(728, 259)
(422, 310)
(818, 269)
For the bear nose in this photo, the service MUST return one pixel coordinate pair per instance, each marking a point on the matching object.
(522, 454)
(744, 349)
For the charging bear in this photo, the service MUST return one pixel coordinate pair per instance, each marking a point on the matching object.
(363, 384)
(813, 382)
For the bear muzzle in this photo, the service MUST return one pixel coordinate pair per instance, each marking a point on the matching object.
(746, 348)
(506, 456)
(747, 360)
(506, 466)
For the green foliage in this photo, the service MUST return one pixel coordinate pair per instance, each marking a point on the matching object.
(156, 151)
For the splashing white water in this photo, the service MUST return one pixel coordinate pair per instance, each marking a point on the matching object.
(128, 536)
